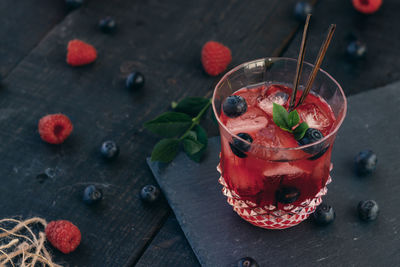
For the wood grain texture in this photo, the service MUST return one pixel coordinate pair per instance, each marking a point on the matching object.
(163, 41)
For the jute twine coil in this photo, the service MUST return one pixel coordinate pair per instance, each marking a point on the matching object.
(20, 246)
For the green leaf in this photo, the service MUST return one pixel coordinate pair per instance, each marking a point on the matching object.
(300, 131)
(192, 146)
(169, 124)
(281, 117)
(294, 118)
(165, 150)
(192, 135)
(202, 138)
(192, 105)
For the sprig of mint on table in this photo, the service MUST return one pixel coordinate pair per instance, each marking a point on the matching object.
(289, 121)
(180, 127)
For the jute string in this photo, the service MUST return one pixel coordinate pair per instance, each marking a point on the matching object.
(20, 246)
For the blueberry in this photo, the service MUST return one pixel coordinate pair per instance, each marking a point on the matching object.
(356, 49)
(73, 4)
(92, 195)
(301, 10)
(149, 193)
(109, 150)
(107, 25)
(234, 106)
(287, 194)
(365, 162)
(368, 210)
(324, 214)
(238, 147)
(247, 262)
(135, 80)
(311, 136)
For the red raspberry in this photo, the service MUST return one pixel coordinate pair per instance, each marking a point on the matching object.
(80, 53)
(367, 6)
(55, 128)
(63, 235)
(215, 57)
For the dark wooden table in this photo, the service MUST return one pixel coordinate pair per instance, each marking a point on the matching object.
(162, 39)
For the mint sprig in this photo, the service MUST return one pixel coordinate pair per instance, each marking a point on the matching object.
(180, 127)
(289, 121)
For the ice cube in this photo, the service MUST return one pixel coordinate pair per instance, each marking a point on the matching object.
(250, 122)
(266, 102)
(273, 136)
(315, 117)
(284, 169)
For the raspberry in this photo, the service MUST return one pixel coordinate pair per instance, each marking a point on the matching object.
(80, 53)
(63, 235)
(215, 57)
(55, 128)
(367, 6)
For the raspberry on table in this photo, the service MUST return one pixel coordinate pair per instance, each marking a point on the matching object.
(80, 53)
(215, 57)
(55, 128)
(367, 6)
(63, 235)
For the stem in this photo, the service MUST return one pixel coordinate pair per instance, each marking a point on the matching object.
(196, 120)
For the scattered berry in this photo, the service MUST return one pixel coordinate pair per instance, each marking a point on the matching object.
(287, 194)
(80, 53)
(356, 49)
(247, 262)
(109, 150)
(311, 136)
(149, 193)
(107, 25)
(367, 6)
(234, 106)
(73, 4)
(368, 210)
(301, 10)
(324, 214)
(63, 235)
(92, 195)
(238, 147)
(55, 128)
(135, 80)
(215, 57)
(365, 162)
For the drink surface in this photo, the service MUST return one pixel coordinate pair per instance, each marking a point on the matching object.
(268, 174)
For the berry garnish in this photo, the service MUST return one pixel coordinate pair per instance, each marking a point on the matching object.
(368, 210)
(356, 49)
(135, 80)
(109, 150)
(63, 235)
(55, 128)
(365, 162)
(302, 9)
(238, 147)
(107, 25)
(215, 57)
(324, 214)
(92, 195)
(287, 194)
(234, 106)
(367, 6)
(311, 136)
(73, 4)
(149, 193)
(247, 262)
(80, 53)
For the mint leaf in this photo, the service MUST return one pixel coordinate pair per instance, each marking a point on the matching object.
(281, 117)
(294, 118)
(165, 150)
(192, 135)
(191, 105)
(300, 131)
(191, 146)
(169, 124)
(202, 138)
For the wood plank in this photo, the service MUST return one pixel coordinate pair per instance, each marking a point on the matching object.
(162, 40)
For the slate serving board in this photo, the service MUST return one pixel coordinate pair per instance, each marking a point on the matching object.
(219, 237)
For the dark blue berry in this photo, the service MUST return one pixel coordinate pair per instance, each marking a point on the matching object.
(107, 25)
(92, 195)
(324, 214)
(301, 10)
(356, 49)
(311, 136)
(287, 194)
(149, 193)
(234, 106)
(247, 262)
(365, 162)
(135, 80)
(368, 210)
(73, 4)
(239, 147)
(109, 150)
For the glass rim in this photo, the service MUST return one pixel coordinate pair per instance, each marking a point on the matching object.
(332, 133)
